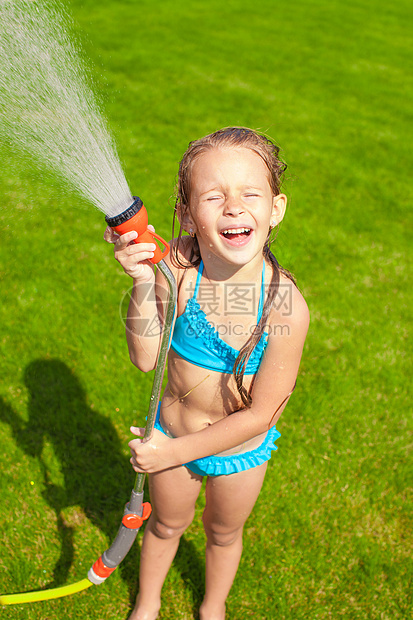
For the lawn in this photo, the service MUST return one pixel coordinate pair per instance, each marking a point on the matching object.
(331, 534)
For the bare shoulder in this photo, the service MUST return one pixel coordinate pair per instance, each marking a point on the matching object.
(178, 259)
(180, 251)
(290, 308)
(183, 248)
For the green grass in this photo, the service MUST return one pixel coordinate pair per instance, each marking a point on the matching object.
(330, 536)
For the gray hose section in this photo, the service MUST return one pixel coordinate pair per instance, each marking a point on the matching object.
(125, 537)
(161, 363)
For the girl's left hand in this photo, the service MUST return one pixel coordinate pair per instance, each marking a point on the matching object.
(152, 455)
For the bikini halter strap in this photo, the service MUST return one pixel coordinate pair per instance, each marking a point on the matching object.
(198, 279)
(262, 295)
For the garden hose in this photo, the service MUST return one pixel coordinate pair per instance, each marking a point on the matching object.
(44, 595)
(136, 511)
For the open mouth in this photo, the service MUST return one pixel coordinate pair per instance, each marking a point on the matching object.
(236, 235)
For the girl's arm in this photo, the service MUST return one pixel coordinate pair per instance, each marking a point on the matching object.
(273, 385)
(149, 292)
(143, 325)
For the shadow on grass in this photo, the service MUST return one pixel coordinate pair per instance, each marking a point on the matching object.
(192, 570)
(97, 476)
(188, 563)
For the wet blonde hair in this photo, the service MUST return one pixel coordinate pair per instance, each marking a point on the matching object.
(232, 137)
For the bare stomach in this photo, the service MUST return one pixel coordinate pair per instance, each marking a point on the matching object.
(195, 398)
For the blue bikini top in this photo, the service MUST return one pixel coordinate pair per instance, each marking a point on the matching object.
(196, 340)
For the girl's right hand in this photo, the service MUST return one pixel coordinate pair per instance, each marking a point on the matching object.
(134, 257)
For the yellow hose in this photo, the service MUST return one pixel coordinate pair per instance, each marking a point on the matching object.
(44, 595)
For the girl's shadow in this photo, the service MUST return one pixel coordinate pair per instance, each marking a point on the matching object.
(96, 474)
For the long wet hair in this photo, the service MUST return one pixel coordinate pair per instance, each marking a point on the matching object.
(234, 137)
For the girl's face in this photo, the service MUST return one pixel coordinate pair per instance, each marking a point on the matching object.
(232, 205)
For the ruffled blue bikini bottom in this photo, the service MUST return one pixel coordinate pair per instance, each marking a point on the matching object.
(226, 465)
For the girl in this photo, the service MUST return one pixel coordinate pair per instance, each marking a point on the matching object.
(235, 351)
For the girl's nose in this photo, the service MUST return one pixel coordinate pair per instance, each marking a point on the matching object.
(233, 206)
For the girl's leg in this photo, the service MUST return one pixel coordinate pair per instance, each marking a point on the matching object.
(230, 500)
(173, 495)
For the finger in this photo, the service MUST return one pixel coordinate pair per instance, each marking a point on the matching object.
(134, 445)
(137, 430)
(135, 465)
(134, 249)
(124, 240)
(110, 235)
